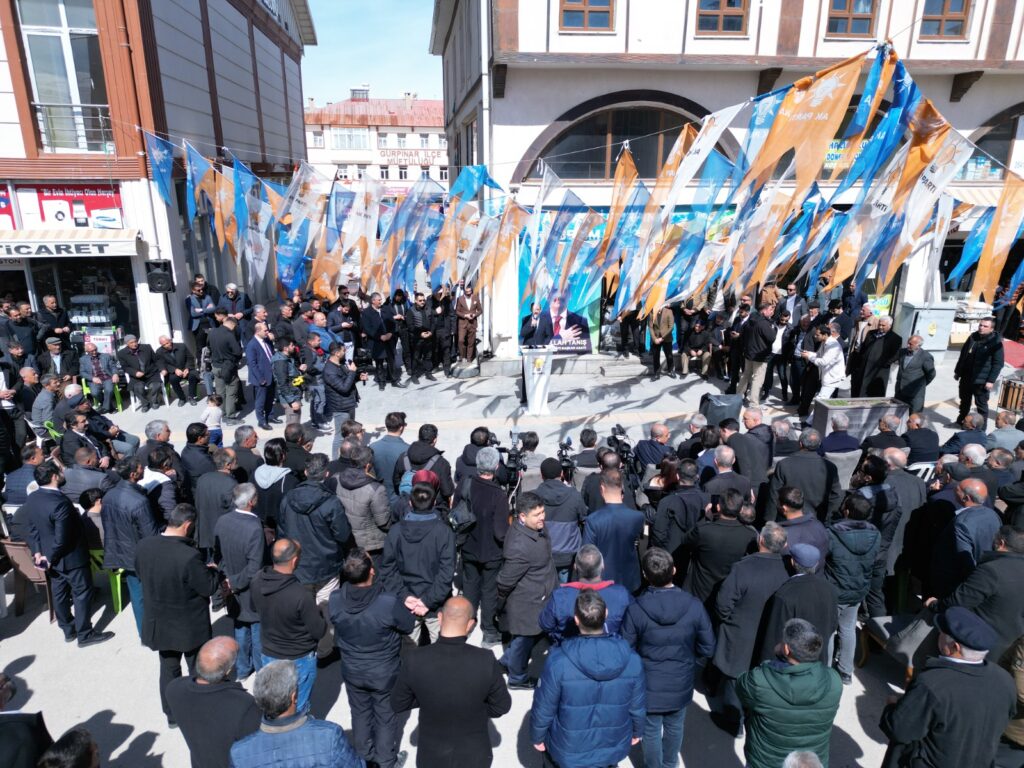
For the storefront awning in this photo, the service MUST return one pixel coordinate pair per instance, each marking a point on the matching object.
(84, 241)
(975, 194)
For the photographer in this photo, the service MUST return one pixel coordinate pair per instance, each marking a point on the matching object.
(465, 465)
(588, 456)
(342, 397)
(591, 491)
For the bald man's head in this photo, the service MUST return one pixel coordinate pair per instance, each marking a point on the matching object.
(972, 492)
(216, 659)
(457, 617)
(284, 554)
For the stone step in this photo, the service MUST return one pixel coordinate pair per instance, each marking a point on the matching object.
(607, 366)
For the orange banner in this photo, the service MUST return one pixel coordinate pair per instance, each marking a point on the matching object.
(625, 175)
(1001, 235)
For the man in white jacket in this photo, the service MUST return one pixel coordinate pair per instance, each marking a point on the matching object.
(828, 364)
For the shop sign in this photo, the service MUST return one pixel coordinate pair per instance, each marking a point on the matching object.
(411, 156)
(70, 206)
(82, 248)
(6, 209)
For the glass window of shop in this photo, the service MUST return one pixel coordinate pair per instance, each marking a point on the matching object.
(95, 292)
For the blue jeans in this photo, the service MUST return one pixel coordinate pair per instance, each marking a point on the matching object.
(564, 574)
(517, 657)
(217, 437)
(135, 595)
(250, 650)
(126, 444)
(663, 738)
(306, 668)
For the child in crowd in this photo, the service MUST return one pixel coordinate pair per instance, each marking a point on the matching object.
(211, 417)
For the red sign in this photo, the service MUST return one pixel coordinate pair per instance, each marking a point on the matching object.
(70, 206)
(6, 210)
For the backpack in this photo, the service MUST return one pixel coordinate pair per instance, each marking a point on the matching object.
(405, 484)
(461, 517)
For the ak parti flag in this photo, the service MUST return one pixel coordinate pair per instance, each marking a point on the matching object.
(625, 175)
(1001, 235)
(224, 219)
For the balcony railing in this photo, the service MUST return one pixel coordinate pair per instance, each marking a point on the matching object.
(74, 127)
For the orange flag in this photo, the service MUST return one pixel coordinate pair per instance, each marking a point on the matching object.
(224, 214)
(1001, 234)
(853, 145)
(499, 256)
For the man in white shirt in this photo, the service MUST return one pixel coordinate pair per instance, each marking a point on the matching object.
(826, 364)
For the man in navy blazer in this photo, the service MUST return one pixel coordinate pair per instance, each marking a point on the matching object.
(560, 325)
(261, 374)
(56, 536)
(615, 529)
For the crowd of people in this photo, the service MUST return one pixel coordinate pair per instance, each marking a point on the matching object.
(737, 562)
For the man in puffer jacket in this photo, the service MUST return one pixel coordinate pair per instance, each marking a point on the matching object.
(790, 701)
(419, 560)
(286, 736)
(365, 501)
(465, 465)
(423, 454)
(670, 629)
(558, 617)
(564, 510)
(285, 372)
(591, 679)
(313, 516)
(369, 623)
(853, 549)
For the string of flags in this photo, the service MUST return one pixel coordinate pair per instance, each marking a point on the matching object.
(747, 220)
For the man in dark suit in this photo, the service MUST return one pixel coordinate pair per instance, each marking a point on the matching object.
(560, 327)
(725, 479)
(83, 474)
(529, 326)
(916, 371)
(815, 476)
(378, 324)
(839, 440)
(977, 368)
(178, 364)
(886, 436)
(966, 538)
(716, 544)
(62, 363)
(226, 357)
(195, 458)
(76, 435)
(56, 536)
(258, 354)
(805, 595)
(214, 499)
(880, 349)
(458, 689)
(753, 456)
(238, 306)
(176, 590)
(973, 432)
(793, 303)
(922, 440)
(142, 372)
(246, 458)
(55, 321)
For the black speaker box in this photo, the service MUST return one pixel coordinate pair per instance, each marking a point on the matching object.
(159, 276)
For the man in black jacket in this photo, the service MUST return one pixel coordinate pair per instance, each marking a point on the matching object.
(291, 624)
(805, 595)
(816, 477)
(340, 392)
(715, 545)
(879, 351)
(422, 324)
(195, 457)
(753, 455)
(368, 626)
(423, 454)
(178, 364)
(246, 459)
(241, 552)
(214, 499)
(977, 368)
(758, 335)
(458, 688)
(127, 519)
(213, 710)
(56, 536)
(481, 553)
(176, 587)
(465, 465)
(957, 706)
(677, 515)
(142, 372)
(226, 357)
(418, 560)
(314, 517)
(802, 527)
(379, 326)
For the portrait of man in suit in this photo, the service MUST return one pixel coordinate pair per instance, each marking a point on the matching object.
(567, 331)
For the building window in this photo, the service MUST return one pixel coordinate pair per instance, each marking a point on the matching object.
(945, 18)
(424, 140)
(68, 87)
(424, 171)
(723, 17)
(993, 149)
(442, 141)
(588, 149)
(852, 18)
(342, 174)
(469, 134)
(385, 172)
(403, 173)
(443, 173)
(350, 138)
(317, 139)
(400, 140)
(360, 172)
(586, 15)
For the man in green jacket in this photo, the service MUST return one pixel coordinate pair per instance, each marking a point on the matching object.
(790, 701)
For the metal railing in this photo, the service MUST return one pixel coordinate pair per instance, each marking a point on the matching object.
(74, 127)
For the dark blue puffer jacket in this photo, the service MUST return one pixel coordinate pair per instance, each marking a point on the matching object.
(300, 741)
(590, 702)
(564, 510)
(670, 629)
(557, 617)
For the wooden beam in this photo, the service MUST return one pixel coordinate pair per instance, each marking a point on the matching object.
(499, 75)
(962, 83)
(767, 78)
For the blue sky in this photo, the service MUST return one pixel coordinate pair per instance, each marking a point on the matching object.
(380, 42)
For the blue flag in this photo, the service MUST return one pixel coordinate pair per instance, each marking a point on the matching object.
(292, 265)
(471, 178)
(244, 180)
(972, 246)
(161, 161)
(196, 169)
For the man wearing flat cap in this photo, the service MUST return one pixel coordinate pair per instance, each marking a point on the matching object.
(55, 361)
(957, 707)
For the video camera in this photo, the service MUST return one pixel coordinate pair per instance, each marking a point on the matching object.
(516, 462)
(364, 364)
(566, 460)
(619, 442)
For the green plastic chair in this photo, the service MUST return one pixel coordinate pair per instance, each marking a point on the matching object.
(115, 575)
(52, 430)
(117, 393)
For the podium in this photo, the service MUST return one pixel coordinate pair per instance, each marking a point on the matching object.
(537, 378)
